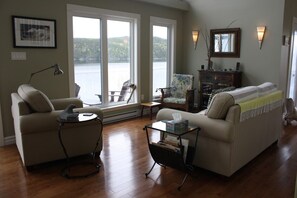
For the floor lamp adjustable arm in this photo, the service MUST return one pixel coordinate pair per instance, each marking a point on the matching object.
(57, 71)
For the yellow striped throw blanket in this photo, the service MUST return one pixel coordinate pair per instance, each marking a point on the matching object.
(255, 100)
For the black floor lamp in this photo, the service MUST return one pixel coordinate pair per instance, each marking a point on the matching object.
(56, 67)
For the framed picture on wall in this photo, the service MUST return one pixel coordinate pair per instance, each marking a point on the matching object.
(34, 32)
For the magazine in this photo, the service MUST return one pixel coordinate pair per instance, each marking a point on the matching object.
(175, 142)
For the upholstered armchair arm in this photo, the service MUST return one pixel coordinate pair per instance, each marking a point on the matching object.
(62, 103)
(190, 95)
(163, 92)
(37, 122)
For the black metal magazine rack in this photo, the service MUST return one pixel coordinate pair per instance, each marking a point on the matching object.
(166, 154)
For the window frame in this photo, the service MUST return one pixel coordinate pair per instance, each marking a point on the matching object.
(171, 52)
(104, 15)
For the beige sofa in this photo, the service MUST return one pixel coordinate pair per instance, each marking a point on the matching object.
(234, 129)
(36, 127)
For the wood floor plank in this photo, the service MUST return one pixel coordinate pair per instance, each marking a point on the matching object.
(125, 159)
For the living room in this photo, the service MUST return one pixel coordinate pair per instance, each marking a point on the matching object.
(268, 64)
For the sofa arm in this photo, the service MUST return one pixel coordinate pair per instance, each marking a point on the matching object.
(233, 114)
(62, 103)
(212, 128)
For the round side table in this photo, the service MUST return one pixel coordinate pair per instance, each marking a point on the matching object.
(82, 118)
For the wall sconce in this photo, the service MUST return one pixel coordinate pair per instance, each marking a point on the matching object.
(195, 35)
(261, 32)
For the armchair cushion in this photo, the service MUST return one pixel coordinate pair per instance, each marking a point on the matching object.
(180, 84)
(175, 100)
(37, 100)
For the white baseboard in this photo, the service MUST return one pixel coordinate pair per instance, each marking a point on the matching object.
(121, 116)
(9, 140)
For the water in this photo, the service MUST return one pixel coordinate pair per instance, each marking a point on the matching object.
(88, 77)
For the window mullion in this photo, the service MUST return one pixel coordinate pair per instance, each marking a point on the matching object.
(104, 59)
(169, 42)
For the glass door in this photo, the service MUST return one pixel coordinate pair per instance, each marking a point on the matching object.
(87, 59)
(160, 58)
(119, 60)
(293, 63)
(105, 56)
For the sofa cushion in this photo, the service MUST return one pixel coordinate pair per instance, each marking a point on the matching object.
(266, 88)
(244, 94)
(37, 100)
(219, 105)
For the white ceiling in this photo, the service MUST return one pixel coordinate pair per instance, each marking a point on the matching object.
(178, 4)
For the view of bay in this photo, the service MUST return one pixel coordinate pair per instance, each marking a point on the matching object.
(88, 77)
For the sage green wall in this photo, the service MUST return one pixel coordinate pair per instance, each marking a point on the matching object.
(14, 73)
(257, 65)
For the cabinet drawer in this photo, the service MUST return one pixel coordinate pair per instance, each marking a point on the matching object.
(224, 80)
(207, 77)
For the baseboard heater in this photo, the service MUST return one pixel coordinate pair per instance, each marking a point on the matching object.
(121, 116)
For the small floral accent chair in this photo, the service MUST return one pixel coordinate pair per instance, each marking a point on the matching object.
(180, 95)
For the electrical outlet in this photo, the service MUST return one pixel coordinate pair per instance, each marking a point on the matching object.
(18, 56)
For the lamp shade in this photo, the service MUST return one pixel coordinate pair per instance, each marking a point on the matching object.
(260, 33)
(195, 36)
(58, 70)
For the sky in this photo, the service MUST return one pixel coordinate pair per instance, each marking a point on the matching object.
(90, 28)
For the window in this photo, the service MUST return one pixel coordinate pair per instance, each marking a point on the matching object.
(162, 53)
(103, 62)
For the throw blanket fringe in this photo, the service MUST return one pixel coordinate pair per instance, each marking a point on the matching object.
(260, 105)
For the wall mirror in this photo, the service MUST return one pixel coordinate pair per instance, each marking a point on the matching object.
(225, 42)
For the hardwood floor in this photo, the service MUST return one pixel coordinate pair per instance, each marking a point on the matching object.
(125, 158)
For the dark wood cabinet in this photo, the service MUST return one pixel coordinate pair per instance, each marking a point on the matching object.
(211, 80)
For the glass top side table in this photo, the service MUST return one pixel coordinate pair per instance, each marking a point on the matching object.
(81, 118)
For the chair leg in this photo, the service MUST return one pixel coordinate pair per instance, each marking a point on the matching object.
(142, 111)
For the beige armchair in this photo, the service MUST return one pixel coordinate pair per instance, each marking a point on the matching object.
(36, 127)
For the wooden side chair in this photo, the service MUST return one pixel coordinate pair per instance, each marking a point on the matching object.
(180, 94)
